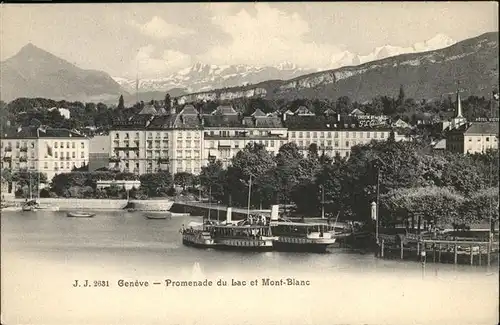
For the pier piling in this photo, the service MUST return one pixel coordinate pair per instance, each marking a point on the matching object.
(382, 249)
(402, 250)
(471, 255)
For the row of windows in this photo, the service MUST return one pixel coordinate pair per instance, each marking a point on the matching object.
(232, 133)
(19, 144)
(334, 134)
(61, 154)
(24, 144)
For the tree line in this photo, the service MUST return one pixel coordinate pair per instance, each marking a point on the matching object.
(33, 111)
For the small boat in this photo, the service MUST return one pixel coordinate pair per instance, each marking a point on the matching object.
(27, 208)
(159, 215)
(31, 205)
(80, 214)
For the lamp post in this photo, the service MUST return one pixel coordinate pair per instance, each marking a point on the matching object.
(209, 201)
(249, 195)
(377, 164)
(322, 201)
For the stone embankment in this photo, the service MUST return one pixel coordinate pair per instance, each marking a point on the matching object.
(103, 204)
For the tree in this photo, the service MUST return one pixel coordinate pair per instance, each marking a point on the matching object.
(251, 163)
(481, 206)
(121, 104)
(183, 179)
(168, 102)
(343, 105)
(156, 184)
(213, 180)
(435, 205)
(401, 96)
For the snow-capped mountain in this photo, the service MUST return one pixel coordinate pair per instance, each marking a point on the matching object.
(347, 58)
(203, 77)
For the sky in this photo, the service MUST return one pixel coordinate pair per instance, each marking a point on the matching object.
(161, 38)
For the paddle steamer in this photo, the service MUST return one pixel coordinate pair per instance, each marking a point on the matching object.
(302, 237)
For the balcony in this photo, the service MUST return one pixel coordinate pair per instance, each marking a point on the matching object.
(114, 159)
(163, 160)
(8, 149)
(126, 148)
(23, 159)
(23, 149)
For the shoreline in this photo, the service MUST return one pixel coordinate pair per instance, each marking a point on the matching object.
(99, 204)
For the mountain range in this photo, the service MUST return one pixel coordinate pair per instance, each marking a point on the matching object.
(427, 69)
(425, 75)
(202, 77)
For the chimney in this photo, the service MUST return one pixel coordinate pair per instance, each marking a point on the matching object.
(274, 212)
(338, 117)
(228, 214)
(284, 116)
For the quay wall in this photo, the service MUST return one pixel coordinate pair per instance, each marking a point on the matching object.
(103, 204)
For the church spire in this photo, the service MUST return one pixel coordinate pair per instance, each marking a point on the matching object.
(458, 112)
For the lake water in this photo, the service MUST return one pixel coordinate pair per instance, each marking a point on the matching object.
(43, 253)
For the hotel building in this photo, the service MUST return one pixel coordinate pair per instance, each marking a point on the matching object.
(475, 137)
(155, 140)
(46, 150)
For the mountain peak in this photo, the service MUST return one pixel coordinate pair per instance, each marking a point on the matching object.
(30, 48)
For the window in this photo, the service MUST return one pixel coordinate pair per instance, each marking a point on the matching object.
(82, 145)
(487, 139)
(17, 144)
(73, 145)
(45, 165)
(55, 153)
(73, 155)
(347, 143)
(82, 155)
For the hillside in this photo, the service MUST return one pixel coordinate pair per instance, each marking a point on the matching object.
(33, 72)
(426, 75)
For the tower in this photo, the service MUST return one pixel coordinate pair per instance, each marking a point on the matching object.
(458, 109)
(458, 120)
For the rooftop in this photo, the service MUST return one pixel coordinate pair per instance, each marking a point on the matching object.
(224, 110)
(482, 128)
(33, 132)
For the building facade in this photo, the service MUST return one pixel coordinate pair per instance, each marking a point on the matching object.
(46, 150)
(187, 141)
(474, 137)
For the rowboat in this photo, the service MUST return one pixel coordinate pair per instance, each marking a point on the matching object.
(157, 215)
(80, 214)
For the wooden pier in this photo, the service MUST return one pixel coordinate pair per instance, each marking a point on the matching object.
(440, 251)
